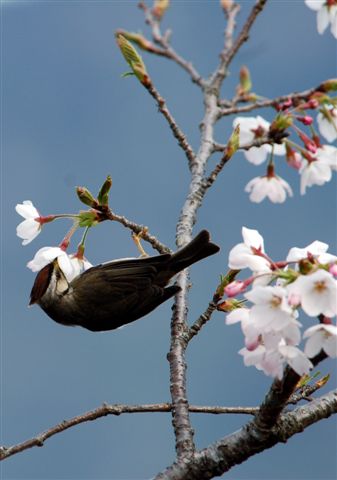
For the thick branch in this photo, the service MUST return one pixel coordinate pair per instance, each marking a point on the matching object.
(104, 410)
(279, 395)
(237, 447)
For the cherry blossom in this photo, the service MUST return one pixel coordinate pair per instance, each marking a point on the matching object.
(255, 128)
(249, 254)
(318, 169)
(79, 265)
(30, 227)
(71, 266)
(326, 14)
(316, 249)
(46, 255)
(327, 124)
(318, 293)
(274, 187)
(296, 359)
(271, 310)
(321, 337)
(247, 326)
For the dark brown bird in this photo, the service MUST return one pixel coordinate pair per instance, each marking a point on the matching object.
(115, 293)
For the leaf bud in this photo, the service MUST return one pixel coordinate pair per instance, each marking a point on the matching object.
(159, 8)
(233, 142)
(103, 195)
(329, 85)
(86, 197)
(133, 59)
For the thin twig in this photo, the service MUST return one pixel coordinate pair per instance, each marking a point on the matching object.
(230, 27)
(204, 317)
(168, 51)
(137, 228)
(177, 132)
(228, 54)
(104, 410)
(244, 34)
(296, 97)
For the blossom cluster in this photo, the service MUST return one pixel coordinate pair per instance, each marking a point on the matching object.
(273, 296)
(314, 161)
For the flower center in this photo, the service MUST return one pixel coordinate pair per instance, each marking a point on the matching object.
(320, 286)
(275, 301)
(259, 132)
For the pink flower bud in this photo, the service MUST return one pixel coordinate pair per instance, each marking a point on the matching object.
(234, 288)
(294, 300)
(333, 269)
(313, 103)
(295, 160)
(287, 104)
(306, 120)
(252, 345)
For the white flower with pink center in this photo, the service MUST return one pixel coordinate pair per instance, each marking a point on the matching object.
(255, 128)
(316, 249)
(250, 253)
(317, 292)
(318, 170)
(327, 124)
(321, 337)
(71, 265)
(274, 188)
(30, 227)
(271, 310)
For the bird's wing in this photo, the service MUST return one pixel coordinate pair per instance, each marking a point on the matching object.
(126, 284)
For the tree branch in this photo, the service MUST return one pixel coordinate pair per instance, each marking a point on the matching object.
(104, 410)
(229, 53)
(237, 447)
(108, 214)
(168, 50)
(296, 98)
(177, 132)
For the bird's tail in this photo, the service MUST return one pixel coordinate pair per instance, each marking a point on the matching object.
(200, 247)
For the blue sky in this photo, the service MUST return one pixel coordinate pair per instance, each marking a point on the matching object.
(70, 119)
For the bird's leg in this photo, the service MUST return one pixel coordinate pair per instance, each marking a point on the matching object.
(136, 237)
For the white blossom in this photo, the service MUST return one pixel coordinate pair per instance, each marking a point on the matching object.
(46, 255)
(317, 292)
(316, 249)
(71, 265)
(318, 170)
(297, 360)
(326, 14)
(271, 310)
(30, 227)
(275, 188)
(248, 253)
(79, 265)
(327, 124)
(254, 128)
(321, 337)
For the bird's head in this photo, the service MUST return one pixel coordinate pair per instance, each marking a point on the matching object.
(50, 283)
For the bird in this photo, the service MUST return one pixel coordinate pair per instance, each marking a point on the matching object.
(112, 294)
